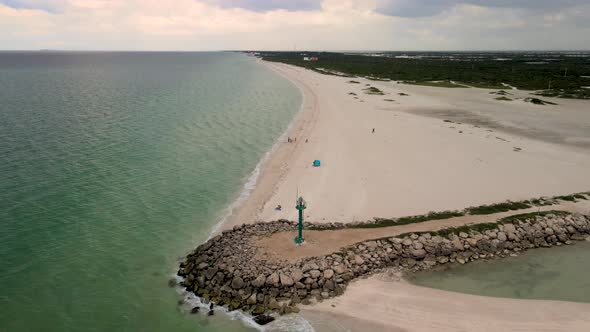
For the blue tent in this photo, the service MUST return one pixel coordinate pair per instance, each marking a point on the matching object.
(316, 163)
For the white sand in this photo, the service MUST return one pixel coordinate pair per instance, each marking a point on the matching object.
(414, 164)
(375, 304)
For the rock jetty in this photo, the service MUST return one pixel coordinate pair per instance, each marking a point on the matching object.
(225, 270)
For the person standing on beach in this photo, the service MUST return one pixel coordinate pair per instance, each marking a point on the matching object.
(373, 130)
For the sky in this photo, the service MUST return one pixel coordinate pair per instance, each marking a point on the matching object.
(330, 25)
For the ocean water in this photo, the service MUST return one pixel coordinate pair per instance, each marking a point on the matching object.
(112, 167)
(550, 274)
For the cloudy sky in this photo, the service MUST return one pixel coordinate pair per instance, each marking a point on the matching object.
(294, 24)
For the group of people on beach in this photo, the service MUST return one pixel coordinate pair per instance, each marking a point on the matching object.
(293, 140)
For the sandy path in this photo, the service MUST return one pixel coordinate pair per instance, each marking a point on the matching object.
(412, 164)
(404, 307)
(280, 246)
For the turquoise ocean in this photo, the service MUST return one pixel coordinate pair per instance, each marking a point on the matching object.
(115, 165)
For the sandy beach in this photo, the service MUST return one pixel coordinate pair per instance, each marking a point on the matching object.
(432, 149)
(405, 307)
(415, 162)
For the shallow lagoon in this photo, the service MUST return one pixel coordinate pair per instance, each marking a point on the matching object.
(551, 274)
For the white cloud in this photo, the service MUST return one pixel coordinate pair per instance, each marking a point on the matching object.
(332, 25)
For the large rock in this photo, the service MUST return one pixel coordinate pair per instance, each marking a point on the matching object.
(259, 282)
(418, 253)
(509, 228)
(263, 319)
(273, 279)
(273, 304)
(237, 283)
(252, 299)
(285, 280)
(309, 266)
(358, 260)
(296, 275)
(457, 244)
(314, 274)
(210, 273)
(371, 244)
(329, 285)
(502, 237)
(340, 269)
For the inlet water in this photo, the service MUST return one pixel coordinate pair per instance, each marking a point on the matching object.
(548, 274)
(114, 165)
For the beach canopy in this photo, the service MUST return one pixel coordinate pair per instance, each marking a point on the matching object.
(316, 163)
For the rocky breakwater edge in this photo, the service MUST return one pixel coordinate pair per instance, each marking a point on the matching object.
(227, 271)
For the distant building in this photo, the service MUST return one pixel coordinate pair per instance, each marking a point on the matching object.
(310, 58)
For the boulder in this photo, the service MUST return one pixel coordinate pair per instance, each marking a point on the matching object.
(509, 228)
(457, 244)
(329, 285)
(237, 283)
(285, 280)
(273, 304)
(328, 274)
(296, 275)
(358, 260)
(273, 279)
(263, 319)
(371, 244)
(259, 282)
(314, 274)
(252, 299)
(418, 253)
(339, 269)
(210, 273)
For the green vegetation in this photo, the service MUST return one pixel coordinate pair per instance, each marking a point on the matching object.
(564, 75)
(538, 101)
(410, 220)
(354, 82)
(373, 91)
(581, 93)
(478, 210)
(500, 93)
(523, 216)
(571, 198)
(390, 100)
(466, 229)
(484, 85)
(496, 208)
(438, 84)
(503, 98)
(482, 227)
(403, 94)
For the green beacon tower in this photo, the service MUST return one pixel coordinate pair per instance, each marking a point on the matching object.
(301, 205)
